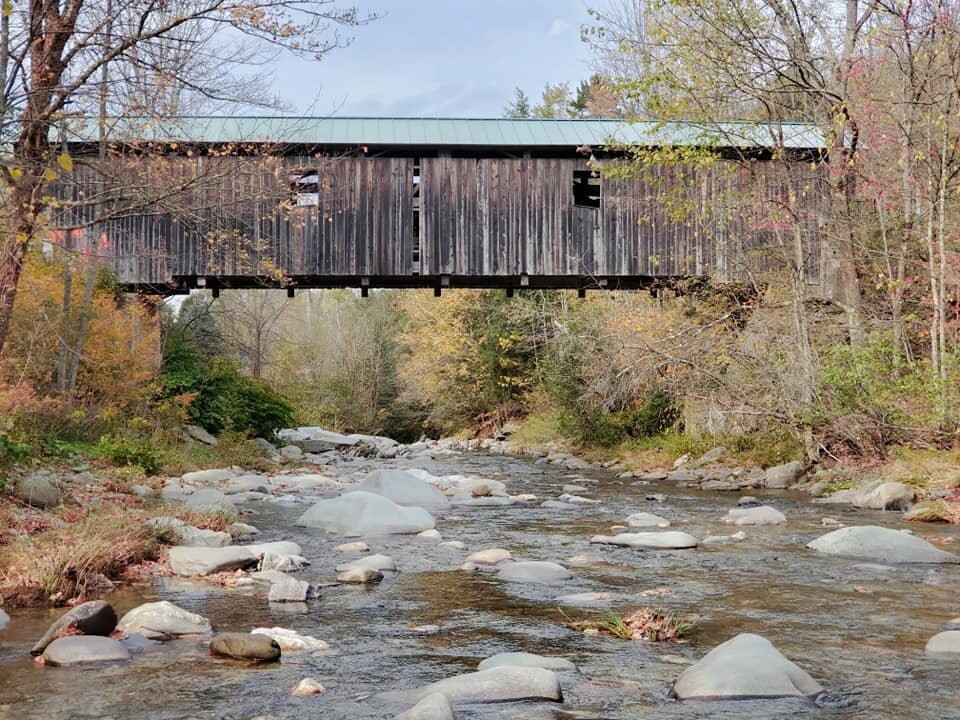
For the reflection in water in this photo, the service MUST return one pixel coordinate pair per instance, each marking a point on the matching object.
(858, 628)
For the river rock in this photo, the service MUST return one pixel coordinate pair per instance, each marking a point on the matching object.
(747, 666)
(404, 489)
(645, 519)
(207, 477)
(761, 515)
(534, 571)
(206, 560)
(354, 547)
(711, 456)
(585, 599)
(881, 544)
(290, 590)
(307, 687)
(282, 563)
(723, 539)
(454, 544)
(361, 513)
(201, 435)
(40, 489)
(482, 487)
(672, 540)
(784, 476)
(885, 496)
(290, 640)
(376, 562)
(96, 617)
(523, 659)
(431, 535)
(492, 556)
(557, 505)
(944, 643)
(245, 646)
(183, 534)
(246, 483)
(432, 707)
(84, 649)
(360, 576)
(208, 500)
(163, 621)
(239, 529)
(577, 500)
(501, 684)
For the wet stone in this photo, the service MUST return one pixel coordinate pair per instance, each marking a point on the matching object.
(245, 646)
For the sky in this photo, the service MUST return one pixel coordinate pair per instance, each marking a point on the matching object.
(446, 58)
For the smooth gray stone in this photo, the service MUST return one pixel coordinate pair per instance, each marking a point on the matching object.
(96, 617)
(404, 489)
(432, 707)
(885, 496)
(209, 500)
(761, 515)
(246, 483)
(290, 590)
(645, 519)
(671, 540)
(40, 489)
(882, 544)
(185, 560)
(501, 684)
(245, 646)
(523, 659)
(377, 562)
(357, 514)
(536, 571)
(201, 435)
(83, 649)
(163, 621)
(784, 476)
(557, 505)
(206, 477)
(944, 643)
(747, 666)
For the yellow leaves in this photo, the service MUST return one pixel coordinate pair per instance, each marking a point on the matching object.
(65, 161)
(16, 174)
(49, 174)
(7, 8)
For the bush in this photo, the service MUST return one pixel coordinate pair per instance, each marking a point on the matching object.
(137, 452)
(218, 396)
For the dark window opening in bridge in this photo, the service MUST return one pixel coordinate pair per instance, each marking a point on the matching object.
(586, 188)
(306, 188)
(415, 255)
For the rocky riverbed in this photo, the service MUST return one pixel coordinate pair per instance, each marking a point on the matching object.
(482, 549)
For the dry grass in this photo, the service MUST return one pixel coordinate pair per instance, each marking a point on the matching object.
(63, 564)
(945, 510)
(924, 468)
(646, 623)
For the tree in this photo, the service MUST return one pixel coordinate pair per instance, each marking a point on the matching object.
(53, 56)
(519, 107)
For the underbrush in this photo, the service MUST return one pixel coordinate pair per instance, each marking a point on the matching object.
(66, 562)
(646, 623)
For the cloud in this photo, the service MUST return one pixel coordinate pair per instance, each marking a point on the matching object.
(558, 27)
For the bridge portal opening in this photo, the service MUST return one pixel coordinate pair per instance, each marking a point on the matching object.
(586, 188)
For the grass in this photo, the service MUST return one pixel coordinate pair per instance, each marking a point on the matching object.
(938, 510)
(59, 564)
(647, 623)
(924, 468)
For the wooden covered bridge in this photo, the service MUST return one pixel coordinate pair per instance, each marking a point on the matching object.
(373, 202)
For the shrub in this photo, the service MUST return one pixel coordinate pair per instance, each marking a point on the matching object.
(138, 452)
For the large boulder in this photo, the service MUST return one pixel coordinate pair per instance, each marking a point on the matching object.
(163, 621)
(490, 557)
(96, 617)
(432, 707)
(357, 514)
(672, 540)
(523, 659)
(885, 496)
(760, 515)
(40, 489)
(536, 571)
(245, 646)
(784, 476)
(881, 544)
(290, 640)
(246, 483)
(501, 684)
(84, 649)
(747, 666)
(404, 489)
(206, 477)
(944, 644)
(290, 589)
(171, 528)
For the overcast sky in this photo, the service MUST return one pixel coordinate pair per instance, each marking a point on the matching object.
(457, 58)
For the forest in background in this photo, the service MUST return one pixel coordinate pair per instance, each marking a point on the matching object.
(775, 368)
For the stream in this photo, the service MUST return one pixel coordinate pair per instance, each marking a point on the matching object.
(858, 628)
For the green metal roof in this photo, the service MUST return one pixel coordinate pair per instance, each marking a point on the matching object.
(450, 132)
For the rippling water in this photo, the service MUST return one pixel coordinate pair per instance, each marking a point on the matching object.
(858, 628)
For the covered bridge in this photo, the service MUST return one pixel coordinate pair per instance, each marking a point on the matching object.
(225, 202)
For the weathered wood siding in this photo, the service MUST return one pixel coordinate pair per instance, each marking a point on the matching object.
(176, 217)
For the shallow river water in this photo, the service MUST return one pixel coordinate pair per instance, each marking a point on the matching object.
(859, 629)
